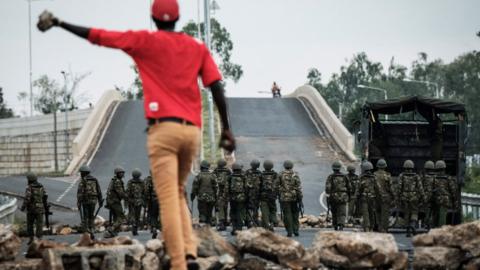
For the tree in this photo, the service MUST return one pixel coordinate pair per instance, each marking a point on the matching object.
(71, 97)
(4, 111)
(222, 46)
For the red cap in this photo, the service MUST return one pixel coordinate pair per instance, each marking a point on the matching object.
(165, 10)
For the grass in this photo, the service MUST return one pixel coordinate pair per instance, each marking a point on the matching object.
(472, 180)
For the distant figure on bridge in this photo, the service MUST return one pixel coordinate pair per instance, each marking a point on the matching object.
(169, 64)
(276, 91)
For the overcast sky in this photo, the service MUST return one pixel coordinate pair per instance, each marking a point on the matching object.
(274, 39)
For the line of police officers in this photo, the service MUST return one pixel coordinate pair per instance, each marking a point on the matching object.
(239, 195)
(373, 195)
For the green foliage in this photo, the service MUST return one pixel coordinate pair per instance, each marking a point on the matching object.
(222, 46)
(48, 100)
(4, 111)
(458, 81)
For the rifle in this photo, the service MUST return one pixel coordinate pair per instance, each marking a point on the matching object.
(301, 208)
(250, 217)
(99, 207)
(48, 213)
(328, 209)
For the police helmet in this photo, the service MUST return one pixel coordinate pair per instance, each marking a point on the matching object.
(440, 165)
(119, 170)
(408, 164)
(136, 173)
(381, 163)
(268, 165)
(221, 163)
(255, 164)
(236, 166)
(367, 166)
(31, 177)
(336, 166)
(288, 164)
(84, 169)
(351, 168)
(204, 164)
(429, 165)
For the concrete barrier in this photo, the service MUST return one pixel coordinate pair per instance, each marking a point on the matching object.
(89, 136)
(8, 206)
(342, 137)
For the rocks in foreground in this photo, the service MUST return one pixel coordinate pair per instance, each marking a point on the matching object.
(9, 244)
(448, 247)
(348, 250)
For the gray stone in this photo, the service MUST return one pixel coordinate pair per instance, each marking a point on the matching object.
(437, 258)
(357, 250)
(270, 246)
(9, 244)
(30, 264)
(151, 261)
(210, 244)
(38, 247)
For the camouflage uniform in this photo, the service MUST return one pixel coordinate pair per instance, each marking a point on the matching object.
(445, 194)
(290, 197)
(115, 195)
(221, 173)
(88, 194)
(366, 191)
(353, 180)
(268, 195)
(34, 203)
(385, 195)
(428, 182)
(136, 199)
(411, 195)
(205, 188)
(237, 193)
(253, 176)
(338, 193)
(153, 206)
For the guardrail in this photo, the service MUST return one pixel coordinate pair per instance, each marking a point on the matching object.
(8, 206)
(340, 134)
(471, 205)
(92, 129)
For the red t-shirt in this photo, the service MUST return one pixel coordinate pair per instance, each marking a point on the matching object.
(169, 64)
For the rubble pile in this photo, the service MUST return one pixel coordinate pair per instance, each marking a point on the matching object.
(9, 244)
(348, 250)
(448, 247)
(314, 221)
(253, 249)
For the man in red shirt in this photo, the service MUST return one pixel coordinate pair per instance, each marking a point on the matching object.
(169, 65)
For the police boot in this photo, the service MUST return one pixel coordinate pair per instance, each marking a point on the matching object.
(134, 230)
(30, 240)
(340, 227)
(221, 227)
(92, 235)
(192, 263)
(296, 234)
(154, 233)
(233, 232)
(409, 234)
(289, 234)
(109, 234)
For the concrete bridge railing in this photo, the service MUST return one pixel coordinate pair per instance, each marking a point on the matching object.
(342, 137)
(8, 206)
(93, 129)
(471, 205)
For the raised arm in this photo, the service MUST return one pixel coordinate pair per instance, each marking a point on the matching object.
(46, 21)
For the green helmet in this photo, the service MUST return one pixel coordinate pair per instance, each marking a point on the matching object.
(288, 164)
(136, 173)
(440, 165)
(119, 170)
(84, 169)
(31, 177)
(381, 163)
(367, 166)
(204, 164)
(408, 164)
(255, 164)
(236, 166)
(221, 163)
(268, 165)
(336, 166)
(429, 165)
(351, 168)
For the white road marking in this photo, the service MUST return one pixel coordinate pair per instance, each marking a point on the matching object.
(67, 190)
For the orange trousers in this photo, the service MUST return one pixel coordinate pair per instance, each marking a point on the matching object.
(172, 148)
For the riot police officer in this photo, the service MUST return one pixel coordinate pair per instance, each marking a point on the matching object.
(237, 193)
(366, 196)
(136, 199)
(445, 193)
(221, 173)
(353, 207)
(290, 197)
(205, 188)
(253, 176)
(88, 194)
(152, 206)
(428, 182)
(411, 195)
(35, 203)
(385, 195)
(268, 195)
(115, 195)
(338, 193)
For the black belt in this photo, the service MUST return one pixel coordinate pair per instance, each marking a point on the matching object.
(154, 121)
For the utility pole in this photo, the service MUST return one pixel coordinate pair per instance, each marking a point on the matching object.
(65, 105)
(30, 53)
(55, 146)
(209, 93)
